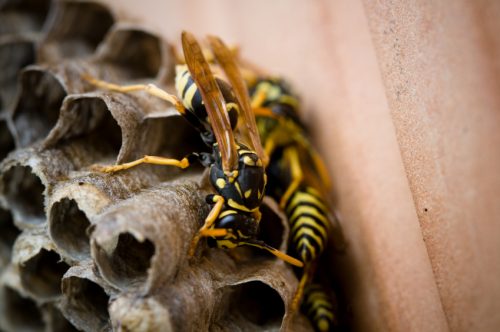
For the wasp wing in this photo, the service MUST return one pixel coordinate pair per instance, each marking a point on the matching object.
(226, 60)
(213, 100)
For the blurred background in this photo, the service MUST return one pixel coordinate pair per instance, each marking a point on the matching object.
(403, 101)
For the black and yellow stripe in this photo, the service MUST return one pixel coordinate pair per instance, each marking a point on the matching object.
(319, 308)
(189, 92)
(309, 224)
(192, 100)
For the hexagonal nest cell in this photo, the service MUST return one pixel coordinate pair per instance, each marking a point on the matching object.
(6, 140)
(24, 192)
(86, 303)
(23, 16)
(259, 303)
(130, 260)
(9, 233)
(38, 105)
(68, 227)
(41, 275)
(18, 312)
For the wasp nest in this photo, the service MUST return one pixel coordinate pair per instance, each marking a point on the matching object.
(82, 250)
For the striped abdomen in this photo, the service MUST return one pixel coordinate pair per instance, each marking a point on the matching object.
(189, 93)
(318, 308)
(309, 224)
(191, 98)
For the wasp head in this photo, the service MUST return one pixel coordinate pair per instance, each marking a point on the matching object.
(240, 227)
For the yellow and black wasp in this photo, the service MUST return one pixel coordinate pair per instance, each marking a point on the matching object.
(298, 180)
(318, 306)
(237, 170)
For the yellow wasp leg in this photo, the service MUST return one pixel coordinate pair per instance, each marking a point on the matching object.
(268, 149)
(264, 112)
(148, 88)
(209, 221)
(257, 215)
(319, 164)
(292, 157)
(297, 298)
(183, 163)
(321, 167)
(216, 232)
(258, 98)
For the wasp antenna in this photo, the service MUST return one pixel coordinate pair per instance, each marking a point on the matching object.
(274, 251)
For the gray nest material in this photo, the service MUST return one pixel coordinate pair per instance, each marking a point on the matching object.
(83, 250)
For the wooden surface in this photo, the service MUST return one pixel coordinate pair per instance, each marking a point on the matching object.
(404, 100)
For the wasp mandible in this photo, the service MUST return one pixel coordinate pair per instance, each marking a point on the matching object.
(237, 170)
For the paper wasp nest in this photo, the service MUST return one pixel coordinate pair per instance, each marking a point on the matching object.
(81, 250)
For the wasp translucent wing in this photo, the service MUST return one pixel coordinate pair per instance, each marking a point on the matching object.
(226, 60)
(213, 100)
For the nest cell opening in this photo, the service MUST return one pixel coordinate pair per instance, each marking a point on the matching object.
(38, 105)
(14, 55)
(129, 262)
(23, 16)
(24, 193)
(9, 232)
(87, 116)
(141, 61)
(6, 140)
(176, 137)
(68, 229)
(20, 313)
(56, 321)
(99, 122)
(258, 303)
(87, 302)
(41, 275)
(81, 39)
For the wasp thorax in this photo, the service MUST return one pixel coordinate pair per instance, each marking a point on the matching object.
(244, 188)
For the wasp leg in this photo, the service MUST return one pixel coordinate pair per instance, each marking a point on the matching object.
(209, 221)
(321, 167)
(265, 112)
(258, 99)
(268, 150)
(183, 163)
(319, 164)
(292, 157)
(297, 297)
(148, 88)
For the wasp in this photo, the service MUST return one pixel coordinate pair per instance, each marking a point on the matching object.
(298, 180)
(236, 169)
(318, 306)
